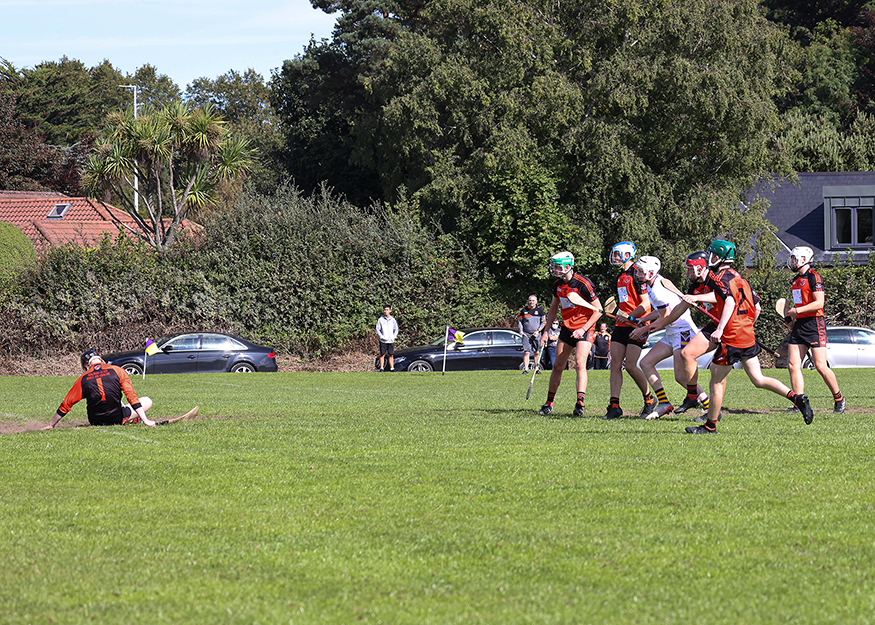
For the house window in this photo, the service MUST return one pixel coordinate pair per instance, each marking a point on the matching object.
(58, 211)
(853, 226)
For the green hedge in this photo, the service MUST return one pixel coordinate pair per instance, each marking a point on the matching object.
(308, 275)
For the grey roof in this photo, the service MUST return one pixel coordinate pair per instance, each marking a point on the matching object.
(797, 211)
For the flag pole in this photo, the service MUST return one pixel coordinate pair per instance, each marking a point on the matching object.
(446, 338)
(145, 356)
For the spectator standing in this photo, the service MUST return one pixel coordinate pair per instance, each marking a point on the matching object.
(387, 332)
(552, 340)
(601, 347)
(530, 322)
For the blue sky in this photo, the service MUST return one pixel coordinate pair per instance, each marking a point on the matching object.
(185, 39)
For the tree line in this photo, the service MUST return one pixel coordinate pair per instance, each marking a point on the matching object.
(516, 127)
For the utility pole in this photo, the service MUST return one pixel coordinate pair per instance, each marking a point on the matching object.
(136, 179)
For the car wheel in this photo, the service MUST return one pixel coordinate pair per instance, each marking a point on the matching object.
(420, 365)
(808, 364)
(243, 367)
(133, 368)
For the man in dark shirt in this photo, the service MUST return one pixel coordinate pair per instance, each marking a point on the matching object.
(102, 386)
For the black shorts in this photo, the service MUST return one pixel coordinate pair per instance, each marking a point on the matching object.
(810, 331)
(708, 330)
(116, 418)
(566, 336)
(387, 348)
(621, 337)
(728, 356)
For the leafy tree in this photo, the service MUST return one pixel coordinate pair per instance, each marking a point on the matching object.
(153, 89)
(27, 163)
(244, 101)
(63, 100)
(178, 154)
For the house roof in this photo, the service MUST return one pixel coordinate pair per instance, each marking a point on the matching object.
(55, 219)
(797, 210)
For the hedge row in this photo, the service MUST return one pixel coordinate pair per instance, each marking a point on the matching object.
(306, 274)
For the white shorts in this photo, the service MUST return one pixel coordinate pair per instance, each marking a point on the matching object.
(678, 334)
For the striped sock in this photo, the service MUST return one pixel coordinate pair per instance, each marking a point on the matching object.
(614, 403)
(580, 397)
(693, 391)
(837, 396)
(705, 402)
(662, 396)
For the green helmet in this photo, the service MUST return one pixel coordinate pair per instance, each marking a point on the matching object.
(721, 252)
(561, 263)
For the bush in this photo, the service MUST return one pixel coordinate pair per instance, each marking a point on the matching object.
(308, 275)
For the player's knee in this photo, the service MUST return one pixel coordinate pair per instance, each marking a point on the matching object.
(146, 403)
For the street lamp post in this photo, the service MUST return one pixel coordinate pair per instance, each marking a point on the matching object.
(136, 179)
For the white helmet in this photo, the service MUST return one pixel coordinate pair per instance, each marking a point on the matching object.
(800, 256)
(647, 267)
(622, 252)
(561, 263)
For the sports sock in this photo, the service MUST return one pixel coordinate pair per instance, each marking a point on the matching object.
(550, 397)
(711, 425)
(791, 396)
(648, 398)
(837, 396)
(705, 402)
(662, 396)
(614, 403)
(693, 391)
(580, 397)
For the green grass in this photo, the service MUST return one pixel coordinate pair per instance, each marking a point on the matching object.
(421, 498)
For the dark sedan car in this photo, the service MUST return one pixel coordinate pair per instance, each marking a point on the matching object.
(482, 348)
(198, 352)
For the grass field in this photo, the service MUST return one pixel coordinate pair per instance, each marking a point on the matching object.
(421, 498)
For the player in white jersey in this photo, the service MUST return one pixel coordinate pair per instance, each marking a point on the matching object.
(664, 298)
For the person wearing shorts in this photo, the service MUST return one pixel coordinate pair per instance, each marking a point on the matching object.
(808, 334)
(577, 331)
(664, 298)
(530, 322)
(387, 332)
(102, 386)
(735, 306)
(625, 351)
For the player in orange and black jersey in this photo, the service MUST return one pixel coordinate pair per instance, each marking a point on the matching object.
(577, 331)
(734, 304)
(633, 300)
(102, 386)
(808, 334)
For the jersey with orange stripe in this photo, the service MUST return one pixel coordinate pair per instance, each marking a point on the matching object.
(629, 295)
(575, 317)
(102, 387)
(729, 283)
(803, 288)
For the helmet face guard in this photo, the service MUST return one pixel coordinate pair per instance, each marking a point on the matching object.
(697, 265)
(560, 264)
(720, 252)
(87, 356)
(622, 253)
(647, 268)
(800, 256)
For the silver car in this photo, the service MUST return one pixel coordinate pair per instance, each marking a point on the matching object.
(846, 346)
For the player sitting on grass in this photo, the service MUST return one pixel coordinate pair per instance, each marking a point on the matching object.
(102, 386)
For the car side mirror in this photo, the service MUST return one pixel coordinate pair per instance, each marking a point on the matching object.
(166, 349)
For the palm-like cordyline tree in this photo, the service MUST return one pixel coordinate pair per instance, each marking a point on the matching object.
(178, 155)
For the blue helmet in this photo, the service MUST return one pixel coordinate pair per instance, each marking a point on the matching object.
(622, 252)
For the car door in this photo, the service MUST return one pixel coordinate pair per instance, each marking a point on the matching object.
(472, 353)
(864, 341)
(216, 353)
(840, 349)
(505, 350)
(180, 355)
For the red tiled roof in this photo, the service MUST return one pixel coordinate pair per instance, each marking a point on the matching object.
(84, 222)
